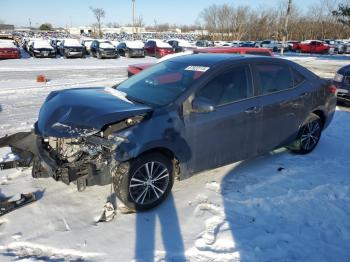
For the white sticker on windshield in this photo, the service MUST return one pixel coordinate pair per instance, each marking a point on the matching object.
(197, 68)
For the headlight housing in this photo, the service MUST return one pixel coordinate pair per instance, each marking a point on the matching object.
(338, 78)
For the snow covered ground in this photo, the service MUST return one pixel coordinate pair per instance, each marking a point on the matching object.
(278, 207)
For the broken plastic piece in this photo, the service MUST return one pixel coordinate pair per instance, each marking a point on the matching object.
(108, 213)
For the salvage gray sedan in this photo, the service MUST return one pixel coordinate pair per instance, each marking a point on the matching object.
(179, 117)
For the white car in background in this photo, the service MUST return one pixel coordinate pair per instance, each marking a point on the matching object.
(275, 46)
(41, 48)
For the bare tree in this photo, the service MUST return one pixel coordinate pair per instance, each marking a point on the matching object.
(229, 22)
(139, 21)
(99, 14)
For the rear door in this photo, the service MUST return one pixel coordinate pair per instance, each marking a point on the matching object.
(282, 95)
(228, 133)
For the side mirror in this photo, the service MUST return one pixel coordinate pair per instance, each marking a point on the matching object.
(202, 105)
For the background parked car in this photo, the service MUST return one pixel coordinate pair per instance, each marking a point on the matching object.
(204, 43)
(180, 45)
(71, 48)
(341, 47)
(271, 44)
(131, 49)
(236, 50)
(342, 82)
(41, 48)
(9, 50)
(290, 45)
(103, 49)
(136, 68)
(86, 43)
(311, 46)
(248, 44)
(158, 48)
(55, 43)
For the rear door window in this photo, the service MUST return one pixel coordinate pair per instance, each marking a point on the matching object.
(231, 86)
(274, 78)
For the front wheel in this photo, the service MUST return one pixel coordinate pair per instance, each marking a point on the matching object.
(145, 182)
(309, 135)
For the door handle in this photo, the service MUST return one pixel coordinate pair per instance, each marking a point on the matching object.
(253, 110)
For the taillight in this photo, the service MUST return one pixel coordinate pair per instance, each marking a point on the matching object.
(332, 89)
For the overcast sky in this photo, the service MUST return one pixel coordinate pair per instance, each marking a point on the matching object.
(77, 12)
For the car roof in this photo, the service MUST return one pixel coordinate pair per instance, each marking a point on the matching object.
(215, 59)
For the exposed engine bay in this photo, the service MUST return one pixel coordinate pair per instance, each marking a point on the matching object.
(84, 160)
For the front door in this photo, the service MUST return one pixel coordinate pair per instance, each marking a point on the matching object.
(229, 133)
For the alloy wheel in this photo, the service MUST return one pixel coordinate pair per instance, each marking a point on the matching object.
(310, 135)
(149, 183)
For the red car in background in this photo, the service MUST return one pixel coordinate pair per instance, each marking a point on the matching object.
(236, 50)
(158, 48)
(136, 68)
(8, 50)
(311, 46)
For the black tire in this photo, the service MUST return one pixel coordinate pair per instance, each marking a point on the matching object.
(98, 55)
(127, 55)
(309, 135)
(136, 189)
(275, 49)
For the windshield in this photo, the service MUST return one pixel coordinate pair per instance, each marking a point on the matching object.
(162, 83)
(106, 45)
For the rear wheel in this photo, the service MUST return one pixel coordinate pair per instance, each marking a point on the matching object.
(144, 182)
(309, 135)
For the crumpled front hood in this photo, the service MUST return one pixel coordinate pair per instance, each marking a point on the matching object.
(80, 111)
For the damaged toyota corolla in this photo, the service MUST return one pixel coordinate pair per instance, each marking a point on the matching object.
(179, 117)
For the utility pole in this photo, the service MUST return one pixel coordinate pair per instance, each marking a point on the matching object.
(133, 18)
(30, 23)
(285, 30)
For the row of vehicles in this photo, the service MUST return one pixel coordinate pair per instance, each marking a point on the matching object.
(102, 48)
(308, 46)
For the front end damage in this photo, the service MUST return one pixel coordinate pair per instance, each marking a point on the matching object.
(85, 160)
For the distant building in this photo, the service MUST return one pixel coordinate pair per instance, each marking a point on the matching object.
(80, 30)
(4, 27)
(123, 29)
